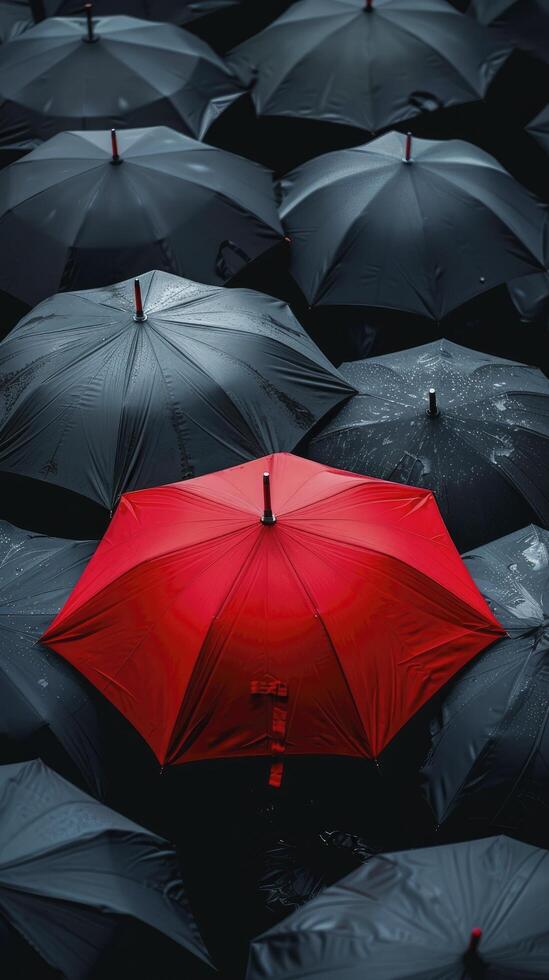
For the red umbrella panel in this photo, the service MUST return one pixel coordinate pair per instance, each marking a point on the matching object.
(311, 612)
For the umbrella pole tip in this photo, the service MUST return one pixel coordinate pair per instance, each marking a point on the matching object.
(90, 37)
(369, 5)
(139, 315)
(433, 409)
(474, 940)
(268, 516)
(115, 156)
(408, 148)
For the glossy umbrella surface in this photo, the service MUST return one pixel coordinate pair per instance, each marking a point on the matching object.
(487, 770)
(368, 66)
(314, 619)
(460, 912)
(70, 218)
(424, 235)
(72, 872)
(482, 449)
(98, 401)
(133, 73)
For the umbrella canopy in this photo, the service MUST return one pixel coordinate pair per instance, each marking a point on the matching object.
(421, 226)
(488, 765)
(458, 912)
(70, 868)
(523, 22)
(313, 616)
(471, 427)
(137, 73)
(367, 65)
(530, 296)
(45, 709)
(173, 11)
(539, 128)
(14, 19)
(71, 218)
(200, 379)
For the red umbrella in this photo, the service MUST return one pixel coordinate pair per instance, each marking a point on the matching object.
(312, 611)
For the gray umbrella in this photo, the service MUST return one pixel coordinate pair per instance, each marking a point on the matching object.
(539, 128)
(525, 23)
(74, 216)
(414, 225)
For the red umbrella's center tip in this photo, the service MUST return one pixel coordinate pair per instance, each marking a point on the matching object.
(474, 940)
(368, 5)
(408, 148)
(268, 517)
(90, 37)
(139, 316)
(115, 155)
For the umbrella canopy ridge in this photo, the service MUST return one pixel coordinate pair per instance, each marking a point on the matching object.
(138, 73)
(367, 65)
(70, 868)
(481, 448)
(45, 708)
(320, 632)
(424, 235)
(455, 912)
(69, 219)
(523, 22)
(487, 768)
(192, 379)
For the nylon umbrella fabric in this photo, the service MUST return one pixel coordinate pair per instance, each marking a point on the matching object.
(70, 868)
(320, 633)
(523, 22)
(530, 296)
(338, 61)
(372, 229)
(96, 401)
(539, 128)
(482, 452)
(14, 19)
(137, 73)
(411, 914)
(70, 219)
(45, 708)
(487, 769)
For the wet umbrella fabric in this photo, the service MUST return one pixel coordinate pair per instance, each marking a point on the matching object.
(370, 228)
(484, 452)
(411, 914)
(137, 73)
(96, 401)
(70, 219)
(70, 868)
(523, 22)
(487, 769)
(45, 709)
(338, 61)
(319, 633)
(539, 128)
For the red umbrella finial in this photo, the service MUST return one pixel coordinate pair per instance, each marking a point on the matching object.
(88, 11)
(369, 4)
(268, 516)
(139, 316)
(114, 145)
(474, 940)
(408, 148)
(432, 410)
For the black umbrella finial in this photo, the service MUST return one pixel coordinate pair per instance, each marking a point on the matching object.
(432, 410)
(408, 148)
(90, 38)
(268, 516)
(114, 145)
(139, 316)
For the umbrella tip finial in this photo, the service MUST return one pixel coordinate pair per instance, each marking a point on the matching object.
(474, 940)
(408, 148)
(115, 158)
(139, 316)
(369, 4)
(268, 516)
(91, 37)
(432, 410)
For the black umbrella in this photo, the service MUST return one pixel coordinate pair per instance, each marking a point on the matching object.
(102, 395)
(523, 22)
(45, 709)
(421, 226)
(73, 873)
(15, 18)
(539, 128)
(71, 218)
(471, 427)
(367, 64)
(530, 296)
(459, 912)
(488, 767)
(130, 73)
